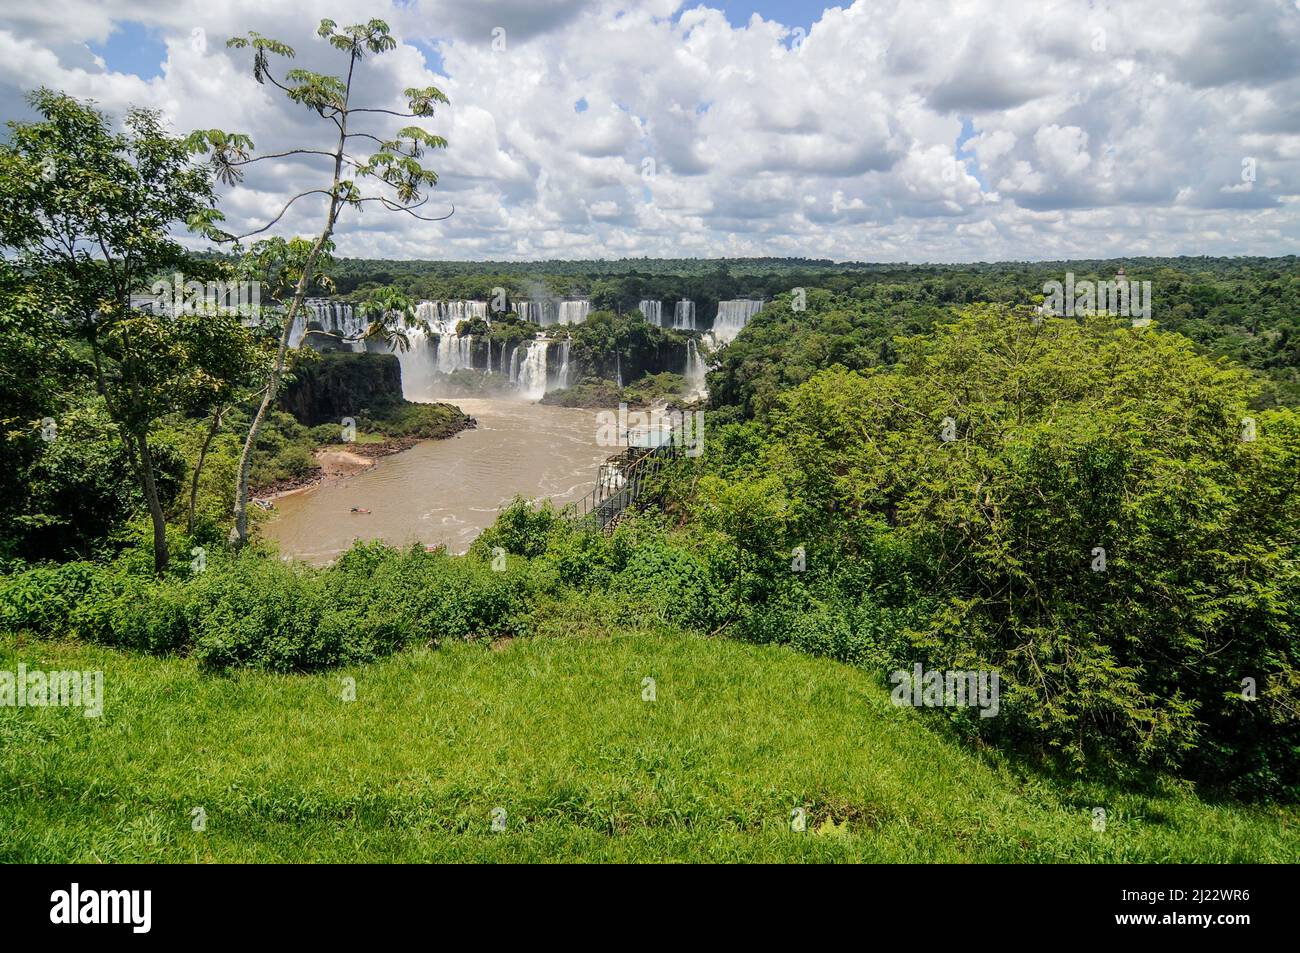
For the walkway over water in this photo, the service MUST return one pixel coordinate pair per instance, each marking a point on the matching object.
(624, 477)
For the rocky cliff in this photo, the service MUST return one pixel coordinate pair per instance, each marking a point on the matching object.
(343, 384)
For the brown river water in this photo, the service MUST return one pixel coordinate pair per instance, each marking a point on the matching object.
(446, 491)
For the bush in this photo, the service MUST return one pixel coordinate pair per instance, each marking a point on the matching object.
(581, 560)
(42, 599)
(374, 601)
(256, 610)
(865, 634)
(670, 585)
(79, 489)
(521, 529)
(1066, 439)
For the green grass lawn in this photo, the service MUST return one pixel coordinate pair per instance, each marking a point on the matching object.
(555, 731)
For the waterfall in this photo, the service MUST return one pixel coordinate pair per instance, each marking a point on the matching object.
(684, 315)
(562, 379)
(538, 312)
(531, 379)
(350, 325)
(333, 317)
(618, 369)
(455, 311)
(695, 369)
(732, 318)
(653, 312)
(354, 330)
(514, 362)
(299, 329)
(439, 350)
(454, 353)
(574, 312)
(419, 364)
(445, 315)
(546, 313)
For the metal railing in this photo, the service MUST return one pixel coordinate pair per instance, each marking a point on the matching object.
(621, 480)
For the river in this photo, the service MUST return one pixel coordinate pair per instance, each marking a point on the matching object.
(446, 491)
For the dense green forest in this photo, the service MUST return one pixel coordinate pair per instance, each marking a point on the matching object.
(1243, 308)
(904, 464)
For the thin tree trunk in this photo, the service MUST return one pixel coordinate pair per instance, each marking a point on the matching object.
(161, 555)
(239, 535)
(198, 467)
(137, 453)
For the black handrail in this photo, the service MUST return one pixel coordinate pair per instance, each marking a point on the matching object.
(620, 481)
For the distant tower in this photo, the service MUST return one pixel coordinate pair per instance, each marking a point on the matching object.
(1119, 275)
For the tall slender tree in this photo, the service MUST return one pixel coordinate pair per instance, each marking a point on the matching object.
(356, 155)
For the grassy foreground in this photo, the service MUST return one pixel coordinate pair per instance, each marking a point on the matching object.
(555, 731)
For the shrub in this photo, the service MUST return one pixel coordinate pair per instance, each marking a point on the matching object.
(1065, 439)
(521, 529)
(42, 599)
(668, 584)
(820, 623)
(256, 610)
(373, 602)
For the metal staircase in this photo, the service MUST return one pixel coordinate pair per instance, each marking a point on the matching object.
(621, 481)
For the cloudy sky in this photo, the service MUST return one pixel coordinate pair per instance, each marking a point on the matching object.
(884, 130)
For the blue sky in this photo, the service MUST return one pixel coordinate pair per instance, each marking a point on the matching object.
(792, 13)
(132, 48)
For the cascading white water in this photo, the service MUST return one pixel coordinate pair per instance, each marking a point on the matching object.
(440, 350)
(562, 378)
(684, 316)
(445, 315)
(653, 312)
(538, 312)
(298, 330)
(352, 325)
(333, 317)
(574, 312)
(531, 378)
(454, 353)
(732, 318)
(464, 310)
(419, 364)
(514, 363)
(695, 369)
(618, 369)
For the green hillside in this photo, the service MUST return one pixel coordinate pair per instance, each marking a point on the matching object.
(553, 728)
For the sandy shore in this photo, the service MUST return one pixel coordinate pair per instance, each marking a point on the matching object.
(335, 466)
(336, 463)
